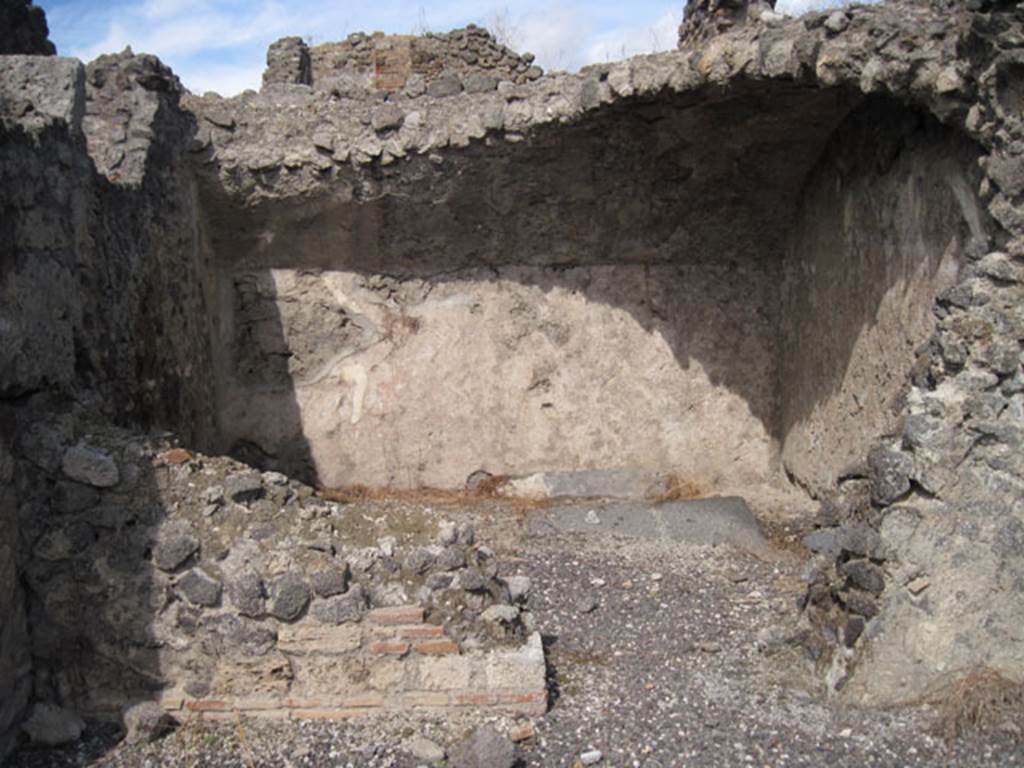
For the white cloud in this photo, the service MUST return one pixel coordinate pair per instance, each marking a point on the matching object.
(225, 80)
(796, 7)
(161, 9)
(554, 38)
(659, 35)
(188, 29)
(221, 44)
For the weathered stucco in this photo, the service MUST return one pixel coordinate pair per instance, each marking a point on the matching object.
(883, 224)
(512, 370)
(569, 302)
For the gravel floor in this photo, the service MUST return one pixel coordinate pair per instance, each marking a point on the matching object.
(659, 655)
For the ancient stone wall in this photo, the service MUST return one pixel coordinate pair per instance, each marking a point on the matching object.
(616, 325)
(531, 369)
(37, 240)
(704, 19)
(627, 264)
(933, 378)
(288, 63)
(433, 64)
(101, 292)
(227, 591)
(15, 660)
(101, 312)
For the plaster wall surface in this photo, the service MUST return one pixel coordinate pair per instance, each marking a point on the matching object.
(512, 370)
(604, 296)
(883, 222)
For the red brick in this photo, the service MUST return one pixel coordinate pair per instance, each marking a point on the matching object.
(207, 705)
(220, 716)
(268, 714)
(303, 703)
(392, 649)
(248, 703)
(424, 699)
(437, 647)
(522, 732)
(401, 614)
(522, 698)
(416, 633)
(474, 699)
(362, 701)
(176, 456)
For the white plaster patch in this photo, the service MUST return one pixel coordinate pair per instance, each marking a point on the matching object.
(355, 376)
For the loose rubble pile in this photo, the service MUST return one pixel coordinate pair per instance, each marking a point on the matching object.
(229, 591)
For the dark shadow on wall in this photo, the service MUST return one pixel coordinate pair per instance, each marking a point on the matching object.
(709, 181)
(254, 356)
(884, 222)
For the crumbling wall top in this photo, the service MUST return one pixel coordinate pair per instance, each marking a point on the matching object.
(37, 91)
(314, 134)
(703, 19)
(437, 64)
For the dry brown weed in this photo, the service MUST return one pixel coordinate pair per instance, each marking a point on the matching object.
(978, 702)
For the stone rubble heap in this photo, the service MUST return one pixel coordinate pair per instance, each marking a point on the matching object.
(230, 591)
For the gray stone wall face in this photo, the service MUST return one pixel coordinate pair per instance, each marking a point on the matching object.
(288, 63)
(704, 19)
(435, 64)
(101, 312)
(15, 663)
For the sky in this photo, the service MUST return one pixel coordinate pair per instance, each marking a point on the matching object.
(220, 45)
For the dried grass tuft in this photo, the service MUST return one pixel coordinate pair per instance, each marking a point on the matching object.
(678, 489)
(458, 498)
(980, 702)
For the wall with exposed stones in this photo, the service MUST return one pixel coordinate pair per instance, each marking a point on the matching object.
(436, 64)
(227, 591)
(757, 255)
(704, 19)
(101, 311)
(897, 345)
(15, 662)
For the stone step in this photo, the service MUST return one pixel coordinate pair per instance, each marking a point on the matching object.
(710, 521)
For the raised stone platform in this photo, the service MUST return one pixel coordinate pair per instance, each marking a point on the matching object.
(713, 521)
